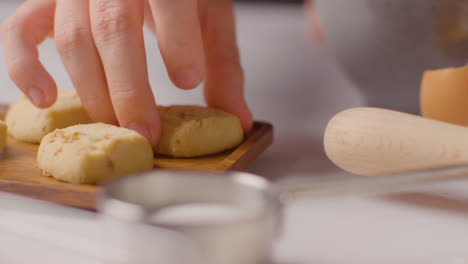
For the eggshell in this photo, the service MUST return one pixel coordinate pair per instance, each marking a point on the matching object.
(444, 95)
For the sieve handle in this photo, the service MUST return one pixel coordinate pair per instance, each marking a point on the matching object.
(371, 185)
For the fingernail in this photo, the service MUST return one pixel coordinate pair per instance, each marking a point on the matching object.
(36, 96)
(142, 129)
(187, 79)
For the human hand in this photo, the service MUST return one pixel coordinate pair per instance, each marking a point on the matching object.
(102, 47)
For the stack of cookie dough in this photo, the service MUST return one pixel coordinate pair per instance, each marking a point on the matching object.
(93, 153)
(30, 124)
(193, 131)
(76, 150)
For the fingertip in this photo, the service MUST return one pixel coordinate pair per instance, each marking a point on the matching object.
(246, 118)
(240, 109)
(150, 130)
(51, 95)
(247, 124)
(188, 79)
(42, 98)
(155, 134)
(36, 96)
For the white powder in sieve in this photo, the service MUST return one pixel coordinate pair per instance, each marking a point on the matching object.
(198, 213)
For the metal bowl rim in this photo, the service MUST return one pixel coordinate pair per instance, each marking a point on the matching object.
(272, 204)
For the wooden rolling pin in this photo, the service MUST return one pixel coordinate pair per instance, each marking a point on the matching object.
(374, 142)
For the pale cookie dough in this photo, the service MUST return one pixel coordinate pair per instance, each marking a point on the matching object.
(3, 135)
(93, 153)
(29, 123)
(191, 131)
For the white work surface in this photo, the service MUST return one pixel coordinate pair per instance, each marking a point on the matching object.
(296, 86)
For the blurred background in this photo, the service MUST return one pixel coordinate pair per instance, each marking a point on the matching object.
(305, 61)
(302, 66)
(291, 81)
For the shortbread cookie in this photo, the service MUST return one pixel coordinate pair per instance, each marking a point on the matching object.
(3, 135)
(29, 123)
(191, 131)
(93, 153)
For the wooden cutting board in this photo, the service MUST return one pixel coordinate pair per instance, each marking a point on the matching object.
(19, 173)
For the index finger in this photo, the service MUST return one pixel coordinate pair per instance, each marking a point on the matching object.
(31, 23)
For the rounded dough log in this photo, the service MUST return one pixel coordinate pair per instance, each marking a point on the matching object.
(93, 153)
(30, 124)
(191, 131)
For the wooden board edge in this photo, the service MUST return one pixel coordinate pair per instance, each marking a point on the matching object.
(3, 111)
(249, 150)
(86, 201)
(254, 145)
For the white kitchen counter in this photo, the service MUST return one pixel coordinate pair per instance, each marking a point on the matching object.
(296, 86)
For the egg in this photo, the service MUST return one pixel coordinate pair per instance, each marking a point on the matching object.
(444, 95)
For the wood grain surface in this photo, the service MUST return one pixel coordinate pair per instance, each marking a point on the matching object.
(377, 142)
(19, 173)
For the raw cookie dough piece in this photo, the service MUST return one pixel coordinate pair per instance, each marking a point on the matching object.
(191, 131)
(93, 153)
(29, 123)
(3, 135)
